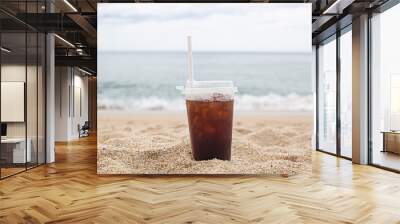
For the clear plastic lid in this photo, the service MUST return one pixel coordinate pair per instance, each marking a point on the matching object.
(209, 90)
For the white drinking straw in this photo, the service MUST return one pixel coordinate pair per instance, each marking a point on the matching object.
(190, 59)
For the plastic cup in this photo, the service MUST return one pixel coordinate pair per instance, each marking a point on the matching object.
(209, 107)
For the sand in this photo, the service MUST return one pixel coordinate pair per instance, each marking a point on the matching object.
(159, 143)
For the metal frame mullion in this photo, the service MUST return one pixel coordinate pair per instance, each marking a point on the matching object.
(44, 79)
(37, 91)
(338, 82)
(369, 78)
(26, 87)
(317, 96)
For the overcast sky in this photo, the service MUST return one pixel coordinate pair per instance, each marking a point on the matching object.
(213, 27)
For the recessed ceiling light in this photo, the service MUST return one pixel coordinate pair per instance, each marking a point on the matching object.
(64, 40)
(5, 50)
(70, 5)
(84, 71)
(338, 6)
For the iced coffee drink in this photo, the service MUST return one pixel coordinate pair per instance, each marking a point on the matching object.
(209, 107)
(210, 127)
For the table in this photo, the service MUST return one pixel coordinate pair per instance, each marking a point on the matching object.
(391, 141)
(15, 148)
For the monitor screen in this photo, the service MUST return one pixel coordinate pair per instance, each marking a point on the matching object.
(3, 129)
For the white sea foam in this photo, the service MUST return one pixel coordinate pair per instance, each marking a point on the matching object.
(275, 102)
(271, 102)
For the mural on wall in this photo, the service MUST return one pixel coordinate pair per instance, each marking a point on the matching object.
(204, 89)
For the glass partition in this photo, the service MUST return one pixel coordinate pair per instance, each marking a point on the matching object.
(31, 99)
(13, 94)
(346, 93)
(32, 87)
(23, 91)
(327, 96)
(41, 109)
(385, 89)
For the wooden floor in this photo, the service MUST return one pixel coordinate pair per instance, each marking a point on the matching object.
(69, 191)
(5, 172)
(387, 159)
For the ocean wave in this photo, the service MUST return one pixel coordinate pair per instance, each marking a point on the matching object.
(275, 102)
(271, 102)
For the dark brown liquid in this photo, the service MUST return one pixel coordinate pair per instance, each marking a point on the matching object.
(210, 127)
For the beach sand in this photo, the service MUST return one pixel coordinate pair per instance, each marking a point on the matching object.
(159, 143)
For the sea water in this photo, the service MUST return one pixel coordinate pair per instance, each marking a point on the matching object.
(142, 81)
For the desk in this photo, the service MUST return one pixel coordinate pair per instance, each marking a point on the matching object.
(391, 141)
(15, 148)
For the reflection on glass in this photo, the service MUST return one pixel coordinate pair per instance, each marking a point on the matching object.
(386, 89)
(327, 97)
(346, 94)
(41, 98)
(31, 100)
(22, 92)
(14, 153)
(395, 102)
(32, 87)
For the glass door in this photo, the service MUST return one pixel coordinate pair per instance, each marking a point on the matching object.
(346, 93)
(32, 98)
(385, 90)
(41, 93)
(327, 96)
(22, 78)
(14, 153)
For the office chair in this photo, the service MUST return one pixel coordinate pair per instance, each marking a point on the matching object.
(84, 130)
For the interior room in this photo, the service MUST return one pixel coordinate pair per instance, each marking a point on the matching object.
(25, 102)
(71, 100)
(49, 141)
(22, 100)
(385, 90)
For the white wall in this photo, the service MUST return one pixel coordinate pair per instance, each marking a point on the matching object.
(12, 73)
(13, 101)
(62, 82)
(70, 83)
(80, 118)
(79, 110)
(33, 127)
